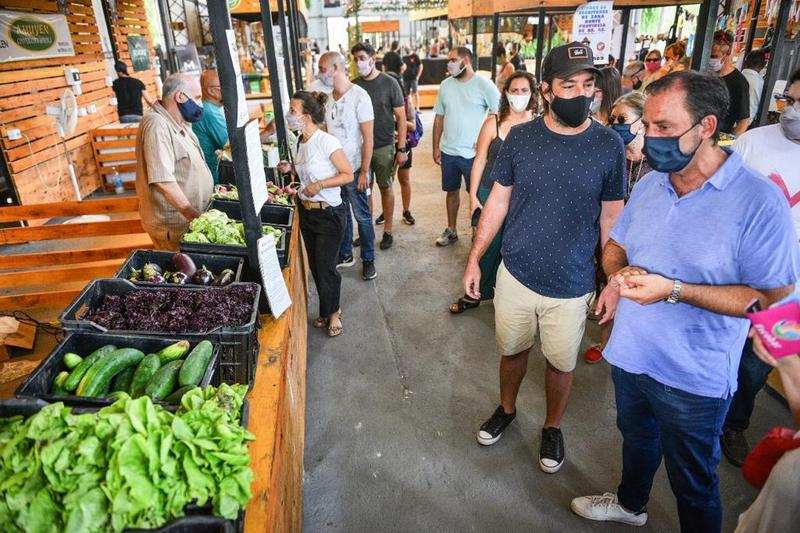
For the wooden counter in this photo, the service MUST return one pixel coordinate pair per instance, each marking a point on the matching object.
(277, 409)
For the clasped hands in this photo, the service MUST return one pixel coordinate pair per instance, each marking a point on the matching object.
(633, 283)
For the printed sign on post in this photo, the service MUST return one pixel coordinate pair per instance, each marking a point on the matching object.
(242, 116)
(33, 36)
(592, 25)
(272, 277)
(255, 163)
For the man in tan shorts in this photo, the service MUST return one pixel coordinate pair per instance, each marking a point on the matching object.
(559, 186)
(173, 180)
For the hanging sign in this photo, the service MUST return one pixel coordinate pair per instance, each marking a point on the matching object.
(272, 277)
(140, 57)
(592, 25)
(242, 115)
(255, 163)
(33, 36)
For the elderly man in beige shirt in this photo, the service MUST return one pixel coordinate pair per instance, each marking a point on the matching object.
(173, 181)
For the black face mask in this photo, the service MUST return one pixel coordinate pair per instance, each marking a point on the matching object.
(571, 111)
(637, 85)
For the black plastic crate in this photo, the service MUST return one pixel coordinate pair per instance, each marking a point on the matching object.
(236, 343)
(201, 523)
(225, 172)
(215, 263)
(272, 214)
(39, 383)
(281, 247)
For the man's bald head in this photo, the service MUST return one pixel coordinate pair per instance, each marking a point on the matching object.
(329, 60)
(209, 85)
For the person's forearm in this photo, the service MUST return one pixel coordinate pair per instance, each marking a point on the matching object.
(366, 154)
(342, 178)
(614, 258)
(492, 217)
(438, 126)
(478, 164)
(177, 199)
(741, 126)
(402, 131)
(608, 217)
(731, 300)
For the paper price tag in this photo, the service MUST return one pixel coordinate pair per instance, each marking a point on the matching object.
(242, 116)
(272, 277)
(255, 163)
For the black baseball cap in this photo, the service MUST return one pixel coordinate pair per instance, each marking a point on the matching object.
(565, 60)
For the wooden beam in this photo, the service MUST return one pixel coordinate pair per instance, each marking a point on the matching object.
(70, 231)
(43, 259)
(53, 276)
(69, 209)
(33, 300)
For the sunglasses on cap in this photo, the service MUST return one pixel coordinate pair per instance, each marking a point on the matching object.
(620, 119)
(652, 60)
(785, 97)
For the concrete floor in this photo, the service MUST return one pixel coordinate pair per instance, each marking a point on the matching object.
(394, 404)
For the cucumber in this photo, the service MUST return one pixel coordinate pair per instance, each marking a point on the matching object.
(122, 381)
(173, 351)
(71, 360)
(77, 374)
(195, 365)
(176, 396)
(164, 381)
(98, 378)
(58, 384)
(144, 373)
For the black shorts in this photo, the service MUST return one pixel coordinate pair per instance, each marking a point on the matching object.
(412, 85)
(407, 164)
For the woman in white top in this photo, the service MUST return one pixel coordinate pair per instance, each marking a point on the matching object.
(322, 167)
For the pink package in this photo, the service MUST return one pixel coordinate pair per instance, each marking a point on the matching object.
(779, 328)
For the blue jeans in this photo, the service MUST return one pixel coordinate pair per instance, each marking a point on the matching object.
(359, 201)
(753, 374)
(659, 421)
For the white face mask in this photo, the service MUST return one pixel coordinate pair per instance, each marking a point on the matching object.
(364, 67)
(715, 64)
(455, 67)
(594, 107)
(518, 102)
(294, 122)
(790, 123)
(326, 78)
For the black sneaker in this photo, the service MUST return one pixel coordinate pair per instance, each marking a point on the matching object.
(356, 242)
(491, 430)
(379, 220)
(408, 219)
(368, 271)
(346, 262)
(551, 450)
(734, 446)
(386, 241)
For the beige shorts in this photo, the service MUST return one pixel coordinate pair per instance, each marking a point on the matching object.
(520, 312)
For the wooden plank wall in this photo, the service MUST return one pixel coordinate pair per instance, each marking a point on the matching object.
(37, 162)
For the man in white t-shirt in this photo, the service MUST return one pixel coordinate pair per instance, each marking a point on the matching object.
(774, 152)
(349, 117)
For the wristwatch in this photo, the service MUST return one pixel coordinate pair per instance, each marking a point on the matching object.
(675, 295)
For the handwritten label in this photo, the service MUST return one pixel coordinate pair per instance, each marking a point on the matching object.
(272, 277)
(242, 116)
(255, 163)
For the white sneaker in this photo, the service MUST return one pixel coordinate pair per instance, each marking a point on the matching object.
(606, 508)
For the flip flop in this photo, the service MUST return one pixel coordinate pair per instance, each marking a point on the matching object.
(463, 304)
(320, 322)
(335, 331)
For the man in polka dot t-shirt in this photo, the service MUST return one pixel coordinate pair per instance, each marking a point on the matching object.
(559, 187)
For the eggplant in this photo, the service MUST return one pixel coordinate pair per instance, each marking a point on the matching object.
(203, 277)
(225, 277)
(179, 278)
(157, 278)
(183, 263)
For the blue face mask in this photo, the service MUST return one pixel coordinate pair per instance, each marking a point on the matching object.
(625, 132)
(190, 110)
(664, 153)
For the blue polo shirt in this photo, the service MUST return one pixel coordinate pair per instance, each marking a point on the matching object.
(734, 230)
(560, 182)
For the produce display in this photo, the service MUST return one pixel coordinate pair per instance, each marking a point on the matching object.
(127, 370)
(184, 271)
(132, 464)
(216, 227)
(275, 195)
(170, 310)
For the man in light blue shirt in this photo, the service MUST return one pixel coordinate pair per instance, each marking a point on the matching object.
(464, 100)
(701, 237)
(211, 129)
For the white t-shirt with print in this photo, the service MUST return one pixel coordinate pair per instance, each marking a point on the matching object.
(313, 163)
(771, 154)
(344, 117)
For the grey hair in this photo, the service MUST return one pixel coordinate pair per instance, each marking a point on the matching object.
(634, 100)
(631, 69)
(173, 84)
(335, 58)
